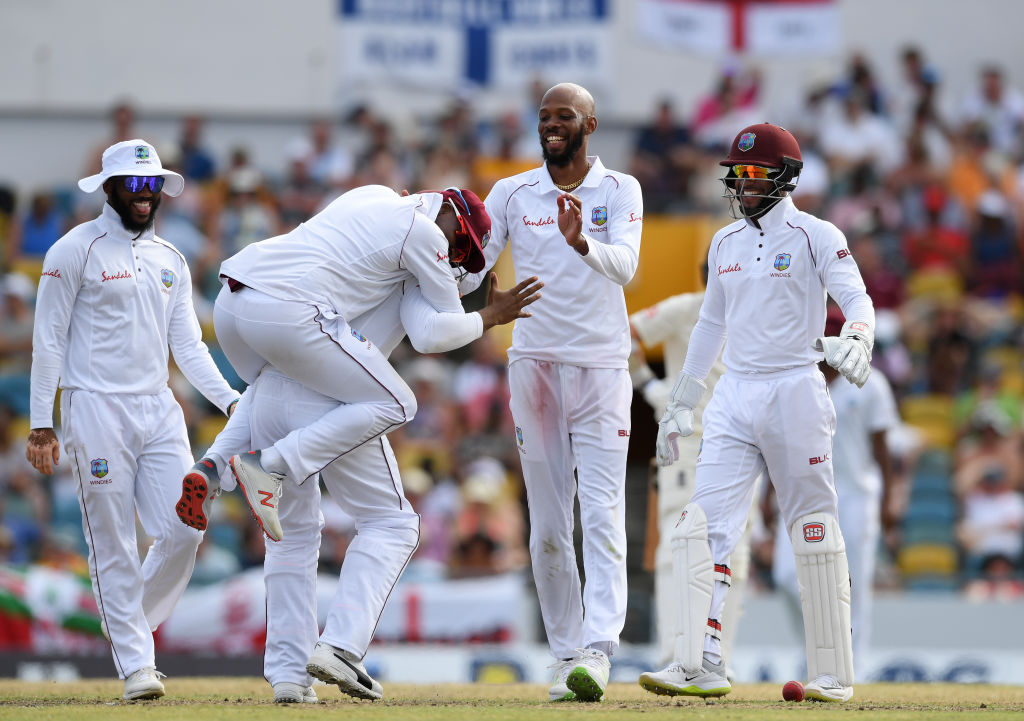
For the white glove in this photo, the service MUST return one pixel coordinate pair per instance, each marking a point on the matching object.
(678, 418)
(850, 351)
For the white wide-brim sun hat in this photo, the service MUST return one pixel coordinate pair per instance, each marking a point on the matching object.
(133, 157)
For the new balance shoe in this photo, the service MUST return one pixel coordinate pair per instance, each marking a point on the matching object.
(561, 669)
(344, 670)
(827, 688)
(287, 692)
(589, 675)
(262, 490)
(143, 684)
(198, 489)
(674, 680)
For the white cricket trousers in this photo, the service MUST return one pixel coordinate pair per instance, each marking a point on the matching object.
(570, 419)
(128, 454)
(366, 484)
(781, 423)
(861, 526)
(317, 348)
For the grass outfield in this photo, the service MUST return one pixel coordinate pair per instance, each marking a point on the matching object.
(205, 699)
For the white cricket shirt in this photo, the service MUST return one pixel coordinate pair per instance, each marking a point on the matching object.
(669, 323)
(581, 317)
(860, 413)
(766, 293)
(109, 305)
(355, 254)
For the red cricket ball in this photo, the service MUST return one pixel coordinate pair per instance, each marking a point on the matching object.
(793, 691)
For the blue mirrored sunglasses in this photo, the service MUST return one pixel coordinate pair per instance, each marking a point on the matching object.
(135, 183)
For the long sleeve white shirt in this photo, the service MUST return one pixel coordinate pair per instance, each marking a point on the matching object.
(108, 308)
(355, 254)
(766, 292)
(581, 318)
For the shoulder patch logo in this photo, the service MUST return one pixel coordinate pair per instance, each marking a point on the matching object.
(99, 467)
(167, 277)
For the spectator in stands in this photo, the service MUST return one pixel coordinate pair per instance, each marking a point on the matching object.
(996, 107)
(16, 322)
(937, 245)
(300, 195)
(993, 521)
(857, 136)
(42, 225)
(663, 161)
(994, 268)
(248, 215)
(122, 122)
(331, 164)
(992, 445)
(997, 580)
(196, 163)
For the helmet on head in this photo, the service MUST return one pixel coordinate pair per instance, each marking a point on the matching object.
(755, 149)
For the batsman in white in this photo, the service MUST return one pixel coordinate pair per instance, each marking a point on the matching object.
(364, 481)
(113, 297)
(864, 485)
(569, 379)
(770, 273)
(669, 323)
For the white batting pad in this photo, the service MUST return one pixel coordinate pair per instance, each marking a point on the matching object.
(824, 579)
(693, 576)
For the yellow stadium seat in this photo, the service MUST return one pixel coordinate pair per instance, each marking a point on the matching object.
(927, 559)
(932, 414)
(208, 429)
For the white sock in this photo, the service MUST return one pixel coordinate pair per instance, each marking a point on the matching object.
(272, 461)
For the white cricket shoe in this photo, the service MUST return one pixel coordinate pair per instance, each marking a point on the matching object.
(827, 688)
(198, 489)
(143, 684)
(343, 669)
(262, 491)
(589, 675)
(560, 671)
(288, 692)
(674, 680)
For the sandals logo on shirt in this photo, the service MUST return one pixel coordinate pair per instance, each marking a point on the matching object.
(99, 467)
(167, 277)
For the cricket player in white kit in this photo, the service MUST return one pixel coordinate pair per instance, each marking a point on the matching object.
(769, 275)
(669, 323)
(286, 302)
(112, 298)
(864, 485)
(364, 480)
(569, 379)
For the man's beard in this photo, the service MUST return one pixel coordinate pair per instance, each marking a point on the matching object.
(124, 211)
(565, 157)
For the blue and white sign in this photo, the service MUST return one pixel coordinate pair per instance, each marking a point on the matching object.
(493, 43)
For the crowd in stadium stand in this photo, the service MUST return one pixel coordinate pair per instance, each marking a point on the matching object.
(929, 190)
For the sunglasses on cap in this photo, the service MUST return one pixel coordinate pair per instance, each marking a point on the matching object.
(135, 183)
(751, 171)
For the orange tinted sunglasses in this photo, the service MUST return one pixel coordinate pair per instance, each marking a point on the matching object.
(751, 171)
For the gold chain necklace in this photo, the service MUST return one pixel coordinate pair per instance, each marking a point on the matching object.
(576, 183)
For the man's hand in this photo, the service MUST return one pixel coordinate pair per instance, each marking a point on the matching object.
(677, 421)
(504, 306)
(43, 449)
(570, 222)
(850, 351)
(678, 418)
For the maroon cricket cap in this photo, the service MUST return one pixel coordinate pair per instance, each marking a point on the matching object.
(477, 222)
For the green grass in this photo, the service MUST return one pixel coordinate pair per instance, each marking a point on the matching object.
(202, 699)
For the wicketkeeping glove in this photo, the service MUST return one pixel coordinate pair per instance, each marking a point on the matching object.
(850, 351)
(678, 418)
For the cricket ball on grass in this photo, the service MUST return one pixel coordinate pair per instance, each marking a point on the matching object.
(793, 691)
